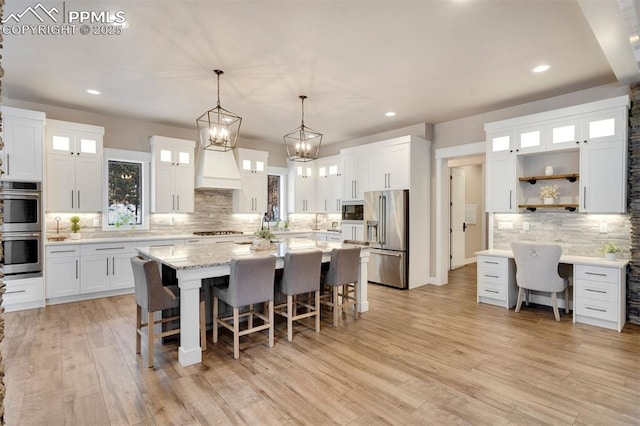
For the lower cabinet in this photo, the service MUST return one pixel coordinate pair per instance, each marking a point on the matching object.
(62, 267)
(353, 232)
(25, 293)
(496, 281)
(106, 267)
(600, 296)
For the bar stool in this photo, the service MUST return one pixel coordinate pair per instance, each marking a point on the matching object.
(250, 283)
(151, 297)
(301, 274)
(342, 278)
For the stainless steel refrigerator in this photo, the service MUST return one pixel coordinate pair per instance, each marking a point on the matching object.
(386, 216)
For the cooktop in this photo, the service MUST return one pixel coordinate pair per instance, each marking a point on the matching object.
(203, 233)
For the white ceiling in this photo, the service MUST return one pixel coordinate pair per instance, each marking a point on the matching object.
(429, 61)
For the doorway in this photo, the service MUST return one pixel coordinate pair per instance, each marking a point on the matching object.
(466, 212)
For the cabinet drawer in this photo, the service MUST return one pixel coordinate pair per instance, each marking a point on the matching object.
(492, 291)
(109, 249)
(63, 251)
(596, 290)
(492, 262)
(492, 276)
(596, 273)
(606, 311)
(23, 291)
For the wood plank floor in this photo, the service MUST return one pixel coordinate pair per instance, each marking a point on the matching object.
(425, 356)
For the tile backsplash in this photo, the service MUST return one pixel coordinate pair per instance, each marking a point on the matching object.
(213, 211)
(577, 234)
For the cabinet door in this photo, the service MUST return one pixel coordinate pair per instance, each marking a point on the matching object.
(501, 180)
(121, 274)
(88, 144)
(349, 176)
(602, 177)
(63, 276)
(252, 198)
(88, 184)
(333, 195)
(61, 141)
(95, 274)
(22, 153)
(322, 195)
(530, 139)
(61, 183)
(398, 166)
(608, 126)
(358, 232)
(259, 185)
(165, 198)
(564, 134)
(184, 190)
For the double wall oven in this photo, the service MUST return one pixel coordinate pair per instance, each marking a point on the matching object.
(21, 230)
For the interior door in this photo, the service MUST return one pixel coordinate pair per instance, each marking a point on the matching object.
(458, 227)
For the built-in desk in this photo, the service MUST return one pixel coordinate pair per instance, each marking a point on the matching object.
(599, 287)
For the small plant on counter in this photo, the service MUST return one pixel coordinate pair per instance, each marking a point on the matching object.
(549, 191)
(609, 248)
(75, 223)
(265, 233)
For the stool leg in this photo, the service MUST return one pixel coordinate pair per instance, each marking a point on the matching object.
(317, 295)
(566, 300)
(289, 317)
(138, 328)
(271, 331)
(355, 300)
(250, 316)
(150, 330)
(554, 302)
(203, 327)
(336, 305)
(215, 319)
(236, 334)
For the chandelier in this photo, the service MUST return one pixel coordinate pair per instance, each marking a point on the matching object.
(218, 128)
(303, 143)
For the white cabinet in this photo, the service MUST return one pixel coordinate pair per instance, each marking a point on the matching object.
(496, 281)
(501, 173)
(355, 175)
(600, 296)
(352, 232)
(23, 293)
(328, 236)
(389, 167)
(172, 175)
(74, 167)
(23, 137)
(328, 185)
(106, 267)
(62, 271)
(252, 197)
(302, 187)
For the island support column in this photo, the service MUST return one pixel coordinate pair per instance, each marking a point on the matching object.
(189, 351)
(363, 282)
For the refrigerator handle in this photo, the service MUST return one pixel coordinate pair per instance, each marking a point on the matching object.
(383, 220)
(380, 219)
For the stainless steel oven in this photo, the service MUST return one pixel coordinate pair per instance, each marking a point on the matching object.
(22, 207)
(21, 254)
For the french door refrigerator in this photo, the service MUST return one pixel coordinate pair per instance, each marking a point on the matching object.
(386, 216)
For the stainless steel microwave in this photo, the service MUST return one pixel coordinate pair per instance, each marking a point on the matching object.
(352, 211)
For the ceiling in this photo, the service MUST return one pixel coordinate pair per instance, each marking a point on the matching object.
(429, 61)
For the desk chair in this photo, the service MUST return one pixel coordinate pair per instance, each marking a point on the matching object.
(537, 269)
(342, 279)
(250, 282)
(151, 296)
(301, 274)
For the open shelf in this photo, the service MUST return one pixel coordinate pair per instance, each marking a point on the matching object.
(571, 177)
(534, 207)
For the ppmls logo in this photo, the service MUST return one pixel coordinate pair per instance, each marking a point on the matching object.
(40, 20)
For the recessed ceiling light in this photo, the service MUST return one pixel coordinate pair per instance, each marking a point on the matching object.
(541, 68)
(390, 114)
(93, 92)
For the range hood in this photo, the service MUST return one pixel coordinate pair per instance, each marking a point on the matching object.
(216, 170)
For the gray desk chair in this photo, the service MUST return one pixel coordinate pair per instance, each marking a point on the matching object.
(151, 296)
(250, 282)
(342, 279)
(301, 275)
(537, 269)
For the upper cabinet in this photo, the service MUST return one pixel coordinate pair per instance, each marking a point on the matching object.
(389, 167)
(588, 141)
(74, 167)
(328, 184)
(302, 187)
(23, 137)
(172, 175)
(252, 197)
(355, 174)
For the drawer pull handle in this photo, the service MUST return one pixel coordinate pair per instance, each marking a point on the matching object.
(162, 245)
(491, 276)
(110, 248)
(595, 309)
(63, 251)
(596, 291)
(15, 291)
(493, 263)
(595, 273)
(492, 291)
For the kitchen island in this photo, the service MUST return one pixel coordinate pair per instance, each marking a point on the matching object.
(193, 263)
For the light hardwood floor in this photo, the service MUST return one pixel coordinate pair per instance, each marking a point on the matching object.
(425, 356)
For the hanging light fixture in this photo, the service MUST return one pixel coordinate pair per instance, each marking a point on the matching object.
(218, 128)
(303, 143)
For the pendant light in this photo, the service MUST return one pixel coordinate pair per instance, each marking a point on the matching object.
(218, 128)
(303, 143)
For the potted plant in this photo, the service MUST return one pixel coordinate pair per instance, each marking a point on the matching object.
(610, 250)
(263, 238)
(549, 193)
(75, 227)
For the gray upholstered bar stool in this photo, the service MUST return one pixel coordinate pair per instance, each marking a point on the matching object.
(537, 269)
(300, 275)
(342, 279)
(250, 283)
(151, 297)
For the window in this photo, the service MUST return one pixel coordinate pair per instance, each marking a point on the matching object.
(125, 198)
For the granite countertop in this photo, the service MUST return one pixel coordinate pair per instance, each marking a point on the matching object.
(219, 254)
(565, 258)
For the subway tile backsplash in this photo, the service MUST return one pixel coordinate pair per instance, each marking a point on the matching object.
(577, 234)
